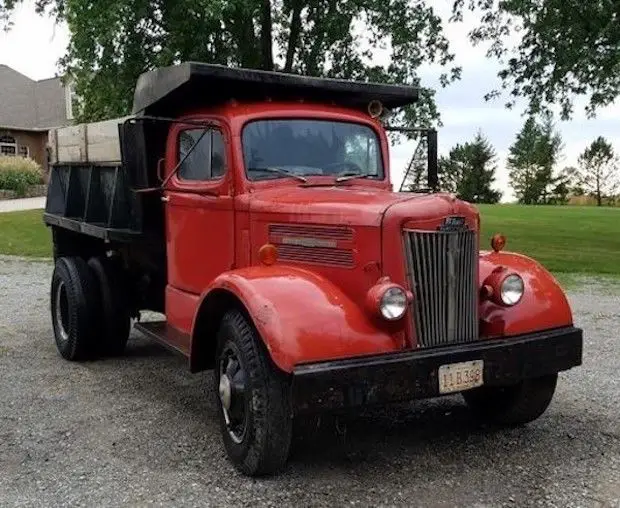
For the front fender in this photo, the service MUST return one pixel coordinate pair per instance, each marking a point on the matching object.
(543, 306)
(301, 316)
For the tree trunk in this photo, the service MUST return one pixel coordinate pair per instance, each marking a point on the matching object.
(293, 35)
(265, 36)
(322, 18)
(599, 197)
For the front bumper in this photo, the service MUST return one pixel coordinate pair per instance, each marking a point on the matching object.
(394, 377)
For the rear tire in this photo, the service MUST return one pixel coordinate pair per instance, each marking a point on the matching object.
(512, 405)
(75, 308)
(113, 293)
(253, 399)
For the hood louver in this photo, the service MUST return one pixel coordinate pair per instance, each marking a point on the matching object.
(321, 245)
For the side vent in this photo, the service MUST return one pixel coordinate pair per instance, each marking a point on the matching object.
(320, 245)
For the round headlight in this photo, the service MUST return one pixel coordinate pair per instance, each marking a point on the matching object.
(511, 290)
(393, 304)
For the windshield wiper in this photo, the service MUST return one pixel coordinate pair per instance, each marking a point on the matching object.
(281, 172)
(351, 176)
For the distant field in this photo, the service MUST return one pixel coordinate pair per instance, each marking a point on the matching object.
(562, 238)
(24, 234)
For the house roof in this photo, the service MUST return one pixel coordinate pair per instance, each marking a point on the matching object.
(28, 104)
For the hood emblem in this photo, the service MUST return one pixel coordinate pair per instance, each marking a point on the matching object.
(453, 224)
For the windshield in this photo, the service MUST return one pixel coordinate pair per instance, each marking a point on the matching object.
(284, 148)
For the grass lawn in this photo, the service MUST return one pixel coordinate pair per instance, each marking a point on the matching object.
(24, 234)
(563, 238)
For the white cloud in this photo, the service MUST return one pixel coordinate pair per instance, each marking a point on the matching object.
(34, 44)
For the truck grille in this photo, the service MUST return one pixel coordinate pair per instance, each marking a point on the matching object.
(443, 268)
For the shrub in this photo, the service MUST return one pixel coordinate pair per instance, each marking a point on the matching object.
(18, 173)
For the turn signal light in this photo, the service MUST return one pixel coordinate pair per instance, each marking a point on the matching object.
(268, 254)
(498, 242)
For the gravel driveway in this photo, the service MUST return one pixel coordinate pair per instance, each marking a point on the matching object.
(140, 430)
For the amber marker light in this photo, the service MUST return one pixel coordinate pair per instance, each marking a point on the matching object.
(268, 254)
(498, 242)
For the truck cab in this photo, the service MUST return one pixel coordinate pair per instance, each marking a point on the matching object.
(254, 211)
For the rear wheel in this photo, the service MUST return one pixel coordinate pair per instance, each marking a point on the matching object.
(254, 399)
(113, 293)
(75, 307)
(512, 405)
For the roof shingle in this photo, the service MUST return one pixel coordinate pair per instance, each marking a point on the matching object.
(29, 104)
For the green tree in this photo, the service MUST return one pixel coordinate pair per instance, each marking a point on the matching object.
(469, 171)
(113, 42)
(564, 48)
(598, 170)
(531, 160)
(563, 186)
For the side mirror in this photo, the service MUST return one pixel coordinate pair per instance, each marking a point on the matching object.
(433, 164)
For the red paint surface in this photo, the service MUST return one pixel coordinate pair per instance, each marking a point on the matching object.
(542, 307)
(303, 317)
(181, 308)
(311, 311)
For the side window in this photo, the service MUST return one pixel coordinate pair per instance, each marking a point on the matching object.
(203, 154)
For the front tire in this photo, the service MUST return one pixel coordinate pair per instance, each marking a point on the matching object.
(253, 397)
(512, 405)
(75, 307)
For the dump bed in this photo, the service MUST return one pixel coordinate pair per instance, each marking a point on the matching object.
(90, 191)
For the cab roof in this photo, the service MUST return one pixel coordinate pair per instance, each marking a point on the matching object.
(168, 91)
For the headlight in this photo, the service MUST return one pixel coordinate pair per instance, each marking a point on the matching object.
(393, 304)
(511, 290)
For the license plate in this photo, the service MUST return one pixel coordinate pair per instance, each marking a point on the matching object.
(458, 377)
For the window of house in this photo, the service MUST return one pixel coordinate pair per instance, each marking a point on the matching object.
(24, 151)
(8, 146)
(203, 154)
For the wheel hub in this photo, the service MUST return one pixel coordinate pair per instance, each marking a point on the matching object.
(231, 391)
(225, 392)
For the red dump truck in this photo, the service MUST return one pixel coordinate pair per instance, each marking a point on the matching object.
(254, 210)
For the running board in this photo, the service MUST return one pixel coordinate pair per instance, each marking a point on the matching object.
(167, 335)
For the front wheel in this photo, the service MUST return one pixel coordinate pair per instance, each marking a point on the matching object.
(512, 405)
(253, 397)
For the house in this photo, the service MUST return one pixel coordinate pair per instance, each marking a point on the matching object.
(28, 109)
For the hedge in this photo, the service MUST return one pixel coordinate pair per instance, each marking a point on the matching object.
(18, 174)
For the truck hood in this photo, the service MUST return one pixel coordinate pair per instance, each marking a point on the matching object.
(347, 205)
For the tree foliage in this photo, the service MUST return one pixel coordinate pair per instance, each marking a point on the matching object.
(598, 172)
(564, 48)
(531, 160)
(113, 42)
(469, 171)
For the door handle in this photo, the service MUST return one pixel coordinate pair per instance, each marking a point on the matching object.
(165, 199)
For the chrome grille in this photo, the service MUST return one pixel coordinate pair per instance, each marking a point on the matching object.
(443, 268)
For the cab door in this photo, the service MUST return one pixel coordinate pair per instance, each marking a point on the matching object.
(199, 217)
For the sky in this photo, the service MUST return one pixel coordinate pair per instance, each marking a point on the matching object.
(34, 45)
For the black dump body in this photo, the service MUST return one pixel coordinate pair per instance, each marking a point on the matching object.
(120, 202)
(114, 201)
(170, 90)
(94, 200)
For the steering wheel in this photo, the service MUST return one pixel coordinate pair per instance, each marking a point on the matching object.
(346, 166)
